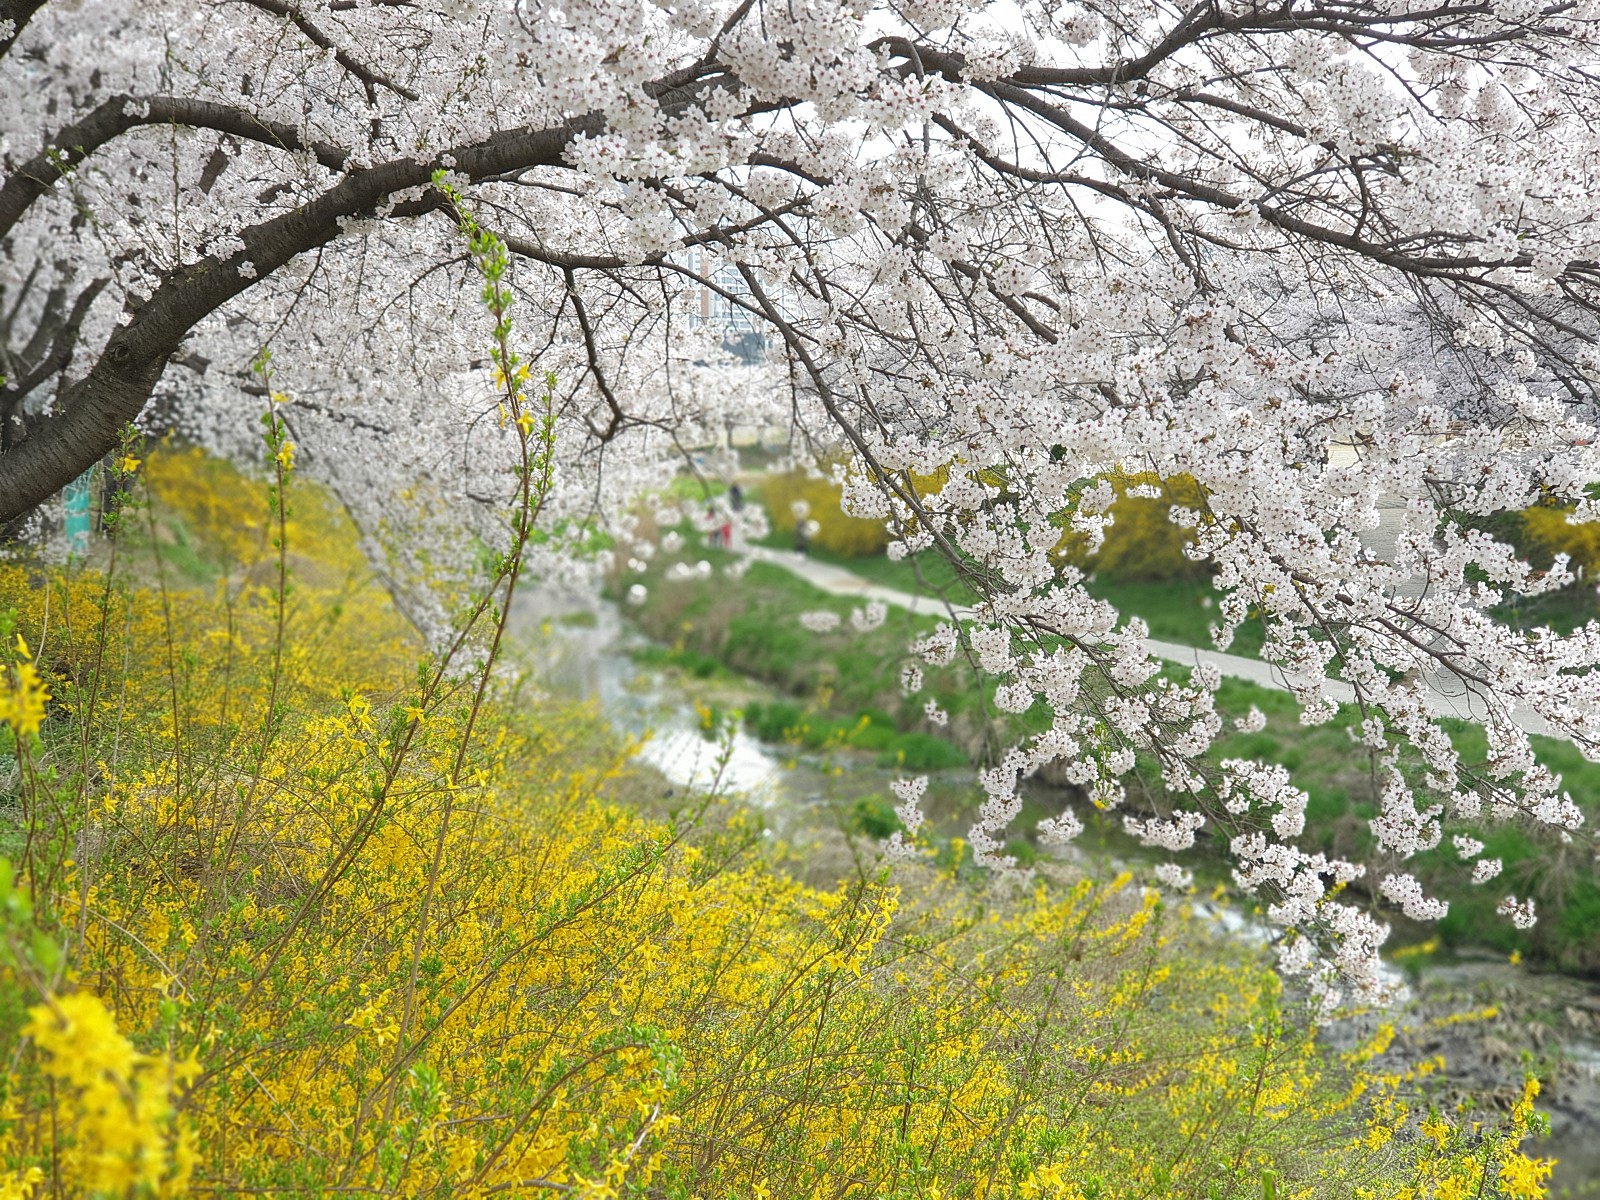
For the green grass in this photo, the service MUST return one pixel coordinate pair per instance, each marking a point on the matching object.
(681, 658)
(179, 550)
(1177, 610)
(922, 574)
(753, 628)
(1338, 778)
(791, 723)
(1563, 610)
(688, 487)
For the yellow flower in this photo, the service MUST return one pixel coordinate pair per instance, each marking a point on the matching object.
(22, 705)
(115, 1110)
(19, 1185)
(1437, 1129)
(569, 962)
(81, 1037)
(367, 1020)
(1523, 1177)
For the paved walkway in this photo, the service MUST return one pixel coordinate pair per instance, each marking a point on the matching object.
(842, 582)
(1447, 697)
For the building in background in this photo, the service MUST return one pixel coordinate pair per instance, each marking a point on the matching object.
(723, 305)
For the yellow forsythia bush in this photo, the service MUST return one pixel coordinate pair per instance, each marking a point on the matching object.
(1547, 529)
(249, 948)
(1142, 543)
(848, 537)
(113, 1126)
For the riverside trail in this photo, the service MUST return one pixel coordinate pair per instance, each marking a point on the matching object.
(1459, 703)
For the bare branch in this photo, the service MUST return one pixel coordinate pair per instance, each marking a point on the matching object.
(370, 79)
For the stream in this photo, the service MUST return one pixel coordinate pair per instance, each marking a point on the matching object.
(582, 650)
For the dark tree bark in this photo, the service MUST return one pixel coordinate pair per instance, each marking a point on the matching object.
(18, 13)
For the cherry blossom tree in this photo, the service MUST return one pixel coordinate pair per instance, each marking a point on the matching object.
(1311, 253)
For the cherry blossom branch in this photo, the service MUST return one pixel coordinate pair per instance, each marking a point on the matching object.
(71, 145)
(370, 79)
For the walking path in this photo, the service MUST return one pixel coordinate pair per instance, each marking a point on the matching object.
(1447, 697)
(838, 581)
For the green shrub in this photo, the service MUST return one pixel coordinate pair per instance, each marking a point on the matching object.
(873, 737)
(874, 817)
(923, 752)
(774, 720)
(786, 721)
(758, 645)
(685, 658)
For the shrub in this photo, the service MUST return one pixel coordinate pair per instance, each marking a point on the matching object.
(924, 752)
(1547, 533)
(686, 659)
(848, 537)
(873, 732)
(1143, 543)
(758, 643)
(774, 720)
(874, 817)
(229, 518)
(785, 721)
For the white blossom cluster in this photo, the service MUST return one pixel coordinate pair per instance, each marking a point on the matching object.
(1405, 891)
(1519, 912)
(680, 572)
(869, 616)
(901, 846)
(1485, 869)
(1174, 878)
